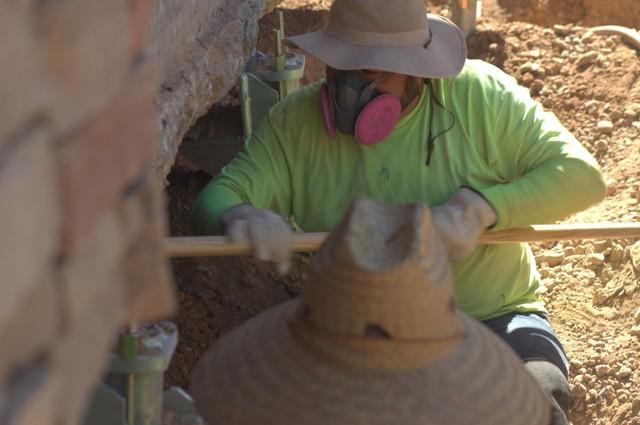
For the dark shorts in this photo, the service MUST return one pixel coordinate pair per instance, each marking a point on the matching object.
(531, 336)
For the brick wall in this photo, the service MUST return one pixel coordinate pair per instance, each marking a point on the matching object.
(81, 214)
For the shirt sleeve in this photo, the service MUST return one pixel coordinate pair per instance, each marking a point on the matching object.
(259, 175)
(547, 173)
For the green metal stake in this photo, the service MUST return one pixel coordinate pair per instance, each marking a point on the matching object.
(279, 62)
(129, 351)
(281, 22)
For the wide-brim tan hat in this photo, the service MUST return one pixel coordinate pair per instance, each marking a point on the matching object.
(375, 338)
(395, 36)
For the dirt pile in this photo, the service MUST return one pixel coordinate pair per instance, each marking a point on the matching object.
(585, 12)
(592, 83)
(591, 287)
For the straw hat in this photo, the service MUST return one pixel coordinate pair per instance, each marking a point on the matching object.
(394, 36)
(375, 338)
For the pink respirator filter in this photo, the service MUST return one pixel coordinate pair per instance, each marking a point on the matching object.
(377, 119)
(374, 123)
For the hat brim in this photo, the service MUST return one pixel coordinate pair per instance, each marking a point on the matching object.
(261, 374)
(444, 57)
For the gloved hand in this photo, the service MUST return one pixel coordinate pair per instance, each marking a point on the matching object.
(268, 233)
(461, 220)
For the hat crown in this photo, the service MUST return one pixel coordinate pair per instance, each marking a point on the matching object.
(381, 277)
(398, 23)
(382, 16)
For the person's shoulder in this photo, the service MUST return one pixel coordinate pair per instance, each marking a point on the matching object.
(300, 103)
(479, 73)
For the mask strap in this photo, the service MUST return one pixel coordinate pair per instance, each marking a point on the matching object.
(431, 140)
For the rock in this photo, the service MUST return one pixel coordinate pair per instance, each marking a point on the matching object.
(536, 87)
(605, 127)
(601, 146)
(587, 37)
(606, 275)
(579, 390)
(630, 114)
(560, 44)
(595, 343)
(634, 252)
(200, 47)
(612, 186)
(595, 259)
(636, 317)
(552, 258)
(575, 364)
(592, 107)
(624, 372)
(562, 30)
(602, 370)
(535, 54)
(601, 245)
(615, 115)
(617, 255)
(631, 111)
(556, 66)
(635, 331)
(587, 59)
(527, 79)
(531, 67)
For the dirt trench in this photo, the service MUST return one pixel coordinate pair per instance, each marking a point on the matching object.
(592, 83)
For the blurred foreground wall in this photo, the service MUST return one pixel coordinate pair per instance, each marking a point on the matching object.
(93, 106)
(81, 217)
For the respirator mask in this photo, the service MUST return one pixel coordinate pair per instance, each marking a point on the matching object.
(352, 105)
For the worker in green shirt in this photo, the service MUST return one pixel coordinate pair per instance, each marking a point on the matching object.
(403, 117)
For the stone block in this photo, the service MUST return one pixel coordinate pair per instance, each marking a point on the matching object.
(141, 17)
(85, 48)
(39, 407)
(150, 292)
(34, 324)
(92, 294)
(31, 392)
(107, 154)
(29, 217)
(92, 274)
(23, 90)
(79, 359)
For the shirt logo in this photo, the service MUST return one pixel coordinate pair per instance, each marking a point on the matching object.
(384, 173)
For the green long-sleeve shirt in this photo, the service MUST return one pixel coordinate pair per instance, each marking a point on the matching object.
(502, 143)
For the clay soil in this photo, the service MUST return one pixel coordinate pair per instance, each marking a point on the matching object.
(592, 83)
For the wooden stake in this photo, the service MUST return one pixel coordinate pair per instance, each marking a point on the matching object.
(213, 246)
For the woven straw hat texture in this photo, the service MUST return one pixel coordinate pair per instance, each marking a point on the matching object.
(374, 338)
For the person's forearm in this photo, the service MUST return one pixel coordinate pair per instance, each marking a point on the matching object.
(210, 206)
(546, 194)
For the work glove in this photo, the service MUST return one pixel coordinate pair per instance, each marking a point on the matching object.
(461, 220)
(268, 233)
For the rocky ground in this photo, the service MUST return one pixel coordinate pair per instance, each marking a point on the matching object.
(591, 83)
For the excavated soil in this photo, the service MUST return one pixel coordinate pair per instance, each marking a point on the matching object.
(591, 288)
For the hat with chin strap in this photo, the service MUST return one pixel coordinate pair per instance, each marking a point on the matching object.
(395, 36)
